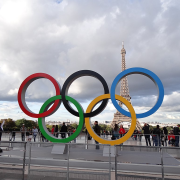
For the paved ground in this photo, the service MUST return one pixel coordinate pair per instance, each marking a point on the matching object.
(137, 159)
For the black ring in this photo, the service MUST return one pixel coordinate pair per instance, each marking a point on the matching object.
(73, 77)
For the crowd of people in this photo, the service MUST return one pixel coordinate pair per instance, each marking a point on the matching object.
(162, 136)
(157, 136)
(154, 137)
(30, 134)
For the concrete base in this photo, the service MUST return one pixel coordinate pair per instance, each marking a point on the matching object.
(106, 151)
(59, 149)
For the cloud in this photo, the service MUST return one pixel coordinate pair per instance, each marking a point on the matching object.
(62, 37)
(13, 91)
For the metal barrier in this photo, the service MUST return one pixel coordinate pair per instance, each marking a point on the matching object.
(30, 161)
(70, 165)
(162, 167)
(78, 162)
(12, 160)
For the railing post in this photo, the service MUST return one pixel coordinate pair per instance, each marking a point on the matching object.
(68, 163)
(109, 162)
(30, 144)
(86, 141)
(24, 160)
(116, 154)
(162, 166)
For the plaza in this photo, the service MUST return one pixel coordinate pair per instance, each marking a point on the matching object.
(130, 161)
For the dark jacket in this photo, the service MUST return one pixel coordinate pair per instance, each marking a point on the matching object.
(165, 131)
(146, 129)
(56, 129)
(157, 131)
(97, 129)
(13, 133)
(176, 130)
(64, 128)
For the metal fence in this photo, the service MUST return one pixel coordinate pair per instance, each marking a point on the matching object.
(12, 160)
(32, 161)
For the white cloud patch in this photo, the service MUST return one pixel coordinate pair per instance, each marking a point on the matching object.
(13, 92)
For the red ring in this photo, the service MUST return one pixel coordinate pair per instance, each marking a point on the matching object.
(24, 86)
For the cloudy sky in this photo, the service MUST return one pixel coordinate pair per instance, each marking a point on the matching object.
(62, 37)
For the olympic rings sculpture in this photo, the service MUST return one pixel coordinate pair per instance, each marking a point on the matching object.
(62, 96)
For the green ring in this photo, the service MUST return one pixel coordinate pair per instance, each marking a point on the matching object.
(47, 134)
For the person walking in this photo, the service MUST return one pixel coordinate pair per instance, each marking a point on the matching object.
(23, 131)
(147, 134)
(176, 133)
(35, 132)
(97, 131)
(63, 131)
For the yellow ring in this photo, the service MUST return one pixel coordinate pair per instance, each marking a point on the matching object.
(111, 142)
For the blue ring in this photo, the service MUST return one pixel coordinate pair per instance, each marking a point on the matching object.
(148, 73)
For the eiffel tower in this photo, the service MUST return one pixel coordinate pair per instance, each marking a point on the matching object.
(124, 92)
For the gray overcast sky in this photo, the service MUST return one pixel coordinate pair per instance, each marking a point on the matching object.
(62, 37)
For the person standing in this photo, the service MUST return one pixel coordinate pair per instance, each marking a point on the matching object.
(176, 133)
(27, 135)
(35, 132)
(147, 134)
(140, 134)
(13, 135)
(135, 134)
(43, 138)
(1, 129)
(52, 130)
(63, 131)
(171, 138)
(74, 130)
(116, 132)
(69, 132)
(56, 131)
(23, 131)
(97, 131)
(165, 134)
(104, 133)
(157, 137)
(30, 135)
(122, 131)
